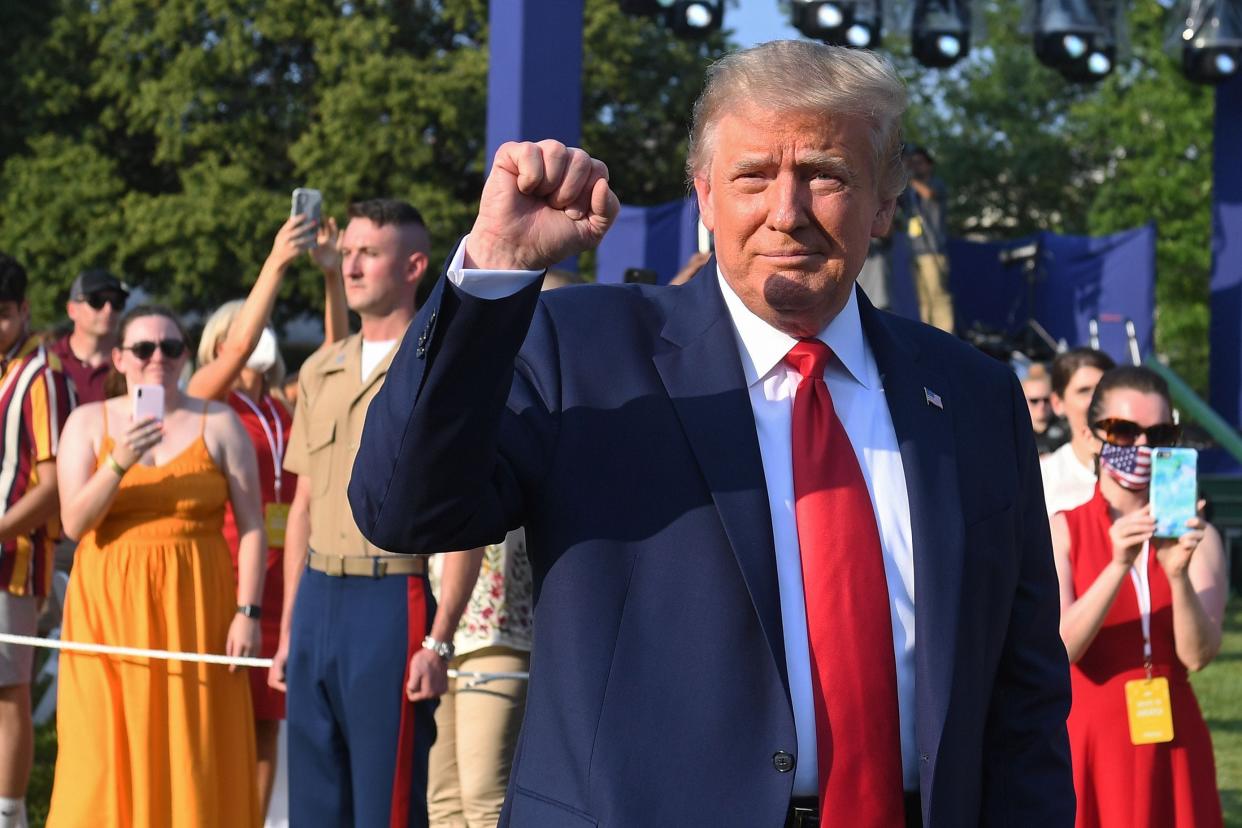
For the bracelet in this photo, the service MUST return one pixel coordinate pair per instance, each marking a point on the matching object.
(115, 466)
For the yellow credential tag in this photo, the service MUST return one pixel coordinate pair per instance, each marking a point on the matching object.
(1151, 714)
(915, 228)
(276, 518)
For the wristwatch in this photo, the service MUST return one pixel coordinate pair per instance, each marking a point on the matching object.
(444, 649)
(250, 610)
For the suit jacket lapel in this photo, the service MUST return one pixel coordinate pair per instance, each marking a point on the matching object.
(925, 435)
(702, 373)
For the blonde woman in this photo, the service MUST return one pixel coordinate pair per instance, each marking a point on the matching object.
(239, 363)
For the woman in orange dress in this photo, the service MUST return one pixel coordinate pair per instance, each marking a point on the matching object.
(148, 742)
(1128, 598)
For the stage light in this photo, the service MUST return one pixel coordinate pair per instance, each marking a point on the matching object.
(940, 34)
(695, 18)
(687, 18)
(853, 23)
(1212, 35)
(1075, 37)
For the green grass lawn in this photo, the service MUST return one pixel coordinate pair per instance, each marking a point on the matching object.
(1219, 689)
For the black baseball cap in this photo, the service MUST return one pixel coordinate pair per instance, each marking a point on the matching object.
(96, 280)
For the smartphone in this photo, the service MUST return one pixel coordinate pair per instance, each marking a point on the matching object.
(308, 202)
(1174, 489)
(148, 402)
(641, 276)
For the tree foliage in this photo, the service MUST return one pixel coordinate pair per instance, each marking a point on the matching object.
(1024, 150)
(162, 139)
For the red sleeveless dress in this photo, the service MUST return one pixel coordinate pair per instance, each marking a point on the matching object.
(1169, 785)
(269, 704)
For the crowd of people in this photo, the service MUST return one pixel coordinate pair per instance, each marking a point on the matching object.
(199, 526)
(219, 508)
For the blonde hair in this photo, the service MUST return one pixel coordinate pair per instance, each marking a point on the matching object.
(805, 76)
(216, 329)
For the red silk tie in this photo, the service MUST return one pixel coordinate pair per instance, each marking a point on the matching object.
(849, 630)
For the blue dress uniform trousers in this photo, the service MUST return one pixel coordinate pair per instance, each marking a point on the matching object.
(348, 654)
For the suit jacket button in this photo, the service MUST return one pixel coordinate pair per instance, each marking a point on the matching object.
(782, 761)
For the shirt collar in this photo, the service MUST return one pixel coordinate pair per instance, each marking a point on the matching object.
(762, 347)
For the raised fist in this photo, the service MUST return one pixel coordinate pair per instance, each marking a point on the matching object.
(542, 203)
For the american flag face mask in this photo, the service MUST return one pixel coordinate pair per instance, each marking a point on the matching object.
(1130, 466)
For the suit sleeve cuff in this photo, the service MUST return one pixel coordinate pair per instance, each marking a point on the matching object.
(487, 284)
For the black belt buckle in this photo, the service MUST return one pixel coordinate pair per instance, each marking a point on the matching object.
(379, 567)
(803, 817)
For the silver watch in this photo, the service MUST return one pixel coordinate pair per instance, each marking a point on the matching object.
(444, 649)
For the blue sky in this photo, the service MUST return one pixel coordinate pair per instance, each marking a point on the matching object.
(754, 21)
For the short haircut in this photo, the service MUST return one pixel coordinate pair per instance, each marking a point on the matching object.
(805, 76)
(1067, 364)
(1131, 377)
(385, 211)
(12, 279)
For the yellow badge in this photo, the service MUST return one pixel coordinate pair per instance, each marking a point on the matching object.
(1151, 715)
(276, 518)
(915, 228)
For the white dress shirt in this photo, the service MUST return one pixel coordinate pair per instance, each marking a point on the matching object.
(854, 382)
(1067, 483)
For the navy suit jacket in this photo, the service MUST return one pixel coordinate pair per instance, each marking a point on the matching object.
(613, 422)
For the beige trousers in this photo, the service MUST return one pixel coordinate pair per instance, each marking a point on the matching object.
(931, 281)
(477, 729)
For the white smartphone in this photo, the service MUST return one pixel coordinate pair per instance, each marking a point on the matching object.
(307, 202)
(148, 402)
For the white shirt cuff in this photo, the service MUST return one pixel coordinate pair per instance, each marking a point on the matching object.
(487, 284)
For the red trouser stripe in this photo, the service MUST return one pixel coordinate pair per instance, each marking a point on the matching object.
(416, 603)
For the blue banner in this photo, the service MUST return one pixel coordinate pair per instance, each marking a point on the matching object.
(1075, 279)
(1226, 284)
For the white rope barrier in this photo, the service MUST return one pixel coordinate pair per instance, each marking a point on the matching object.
(205, 658)
(133, 652)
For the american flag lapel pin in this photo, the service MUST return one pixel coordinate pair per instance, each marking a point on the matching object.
(933, 398)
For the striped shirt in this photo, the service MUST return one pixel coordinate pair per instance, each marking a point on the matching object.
(35, 400)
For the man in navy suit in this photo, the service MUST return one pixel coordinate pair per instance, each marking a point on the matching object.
(791, 557)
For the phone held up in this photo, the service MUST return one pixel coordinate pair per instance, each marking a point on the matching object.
(148, 402)
(1174, 489)
(307, 202)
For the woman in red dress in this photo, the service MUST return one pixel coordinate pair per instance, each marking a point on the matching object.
(1128, 598)
(239, 363)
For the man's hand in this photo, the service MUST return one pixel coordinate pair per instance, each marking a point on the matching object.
(542, 203)
(276, 673)
(428, 676)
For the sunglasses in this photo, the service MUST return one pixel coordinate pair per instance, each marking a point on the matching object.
(1039, 400)
(1121, 432)
(144, 350)
(98, 300)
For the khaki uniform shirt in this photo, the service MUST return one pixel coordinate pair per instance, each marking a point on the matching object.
(332, 406)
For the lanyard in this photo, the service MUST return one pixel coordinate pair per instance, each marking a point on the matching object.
(275, 441)
(1142, 590)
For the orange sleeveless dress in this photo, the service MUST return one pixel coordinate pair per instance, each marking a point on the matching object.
(152, 742)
